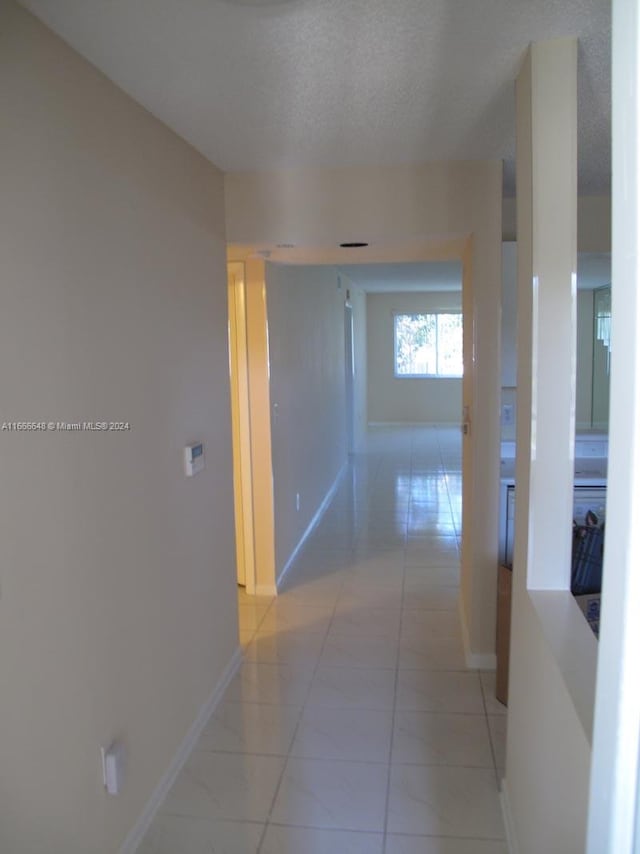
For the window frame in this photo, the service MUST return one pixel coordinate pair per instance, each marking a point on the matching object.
(434, 313)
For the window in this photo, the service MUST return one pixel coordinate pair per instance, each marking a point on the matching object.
(428, 345)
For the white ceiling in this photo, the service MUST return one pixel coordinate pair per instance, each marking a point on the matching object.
(341, 82)
(428, 276)
(594, 271)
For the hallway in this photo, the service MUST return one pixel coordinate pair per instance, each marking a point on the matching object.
(353, 725)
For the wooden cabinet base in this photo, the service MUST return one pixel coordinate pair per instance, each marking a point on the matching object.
(503, 633)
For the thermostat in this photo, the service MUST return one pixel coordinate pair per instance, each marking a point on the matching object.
(193, 459)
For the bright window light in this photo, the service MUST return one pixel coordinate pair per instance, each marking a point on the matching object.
(428, 345)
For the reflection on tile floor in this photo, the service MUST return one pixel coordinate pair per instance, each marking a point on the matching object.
(353, 725)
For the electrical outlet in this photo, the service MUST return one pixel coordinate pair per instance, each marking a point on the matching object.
(507, 414)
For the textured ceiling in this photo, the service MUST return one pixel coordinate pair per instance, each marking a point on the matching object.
(254, 85)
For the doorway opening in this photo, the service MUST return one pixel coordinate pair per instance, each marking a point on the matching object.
(296, 506)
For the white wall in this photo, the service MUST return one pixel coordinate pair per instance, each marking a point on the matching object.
(308, 416)
(551, 676)
(548, 752)
(614, 814)
(406, 400)
(117, 615)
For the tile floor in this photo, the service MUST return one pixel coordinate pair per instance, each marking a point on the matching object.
(353, 726)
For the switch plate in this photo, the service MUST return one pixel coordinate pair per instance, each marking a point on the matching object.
(193, 459)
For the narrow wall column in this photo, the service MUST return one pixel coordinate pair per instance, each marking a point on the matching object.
(545, 790)
(547, 259)
(614, 815)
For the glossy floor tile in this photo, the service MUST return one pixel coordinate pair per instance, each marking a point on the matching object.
(444, 801)
(179, 835)
(258, 728)
(355, 734)
(353, 724)
(332, 794)
(401, 844)
(305, 840)
(232, 786)
(425, 738)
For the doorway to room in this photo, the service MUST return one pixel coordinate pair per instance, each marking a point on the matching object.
(310, 439)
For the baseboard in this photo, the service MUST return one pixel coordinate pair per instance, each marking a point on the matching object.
(138, 831)
(507, 817)
(474, 660)
(314, 521)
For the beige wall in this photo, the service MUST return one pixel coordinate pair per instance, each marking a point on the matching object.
(305, 311)
(117, 615)
(406, 400)
(594, 222)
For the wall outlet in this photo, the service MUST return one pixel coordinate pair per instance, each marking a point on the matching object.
(113, 760)
(298, 502)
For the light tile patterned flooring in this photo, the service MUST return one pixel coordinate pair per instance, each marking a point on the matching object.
(353, 726)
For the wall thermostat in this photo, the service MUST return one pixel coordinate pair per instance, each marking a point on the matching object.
(193, 459)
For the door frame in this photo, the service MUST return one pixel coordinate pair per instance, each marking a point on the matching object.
(349, 368)
(241, 427)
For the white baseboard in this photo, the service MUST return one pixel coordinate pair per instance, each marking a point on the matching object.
(138, 831)
(507, 817)
(474, 660)
(314, 521)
